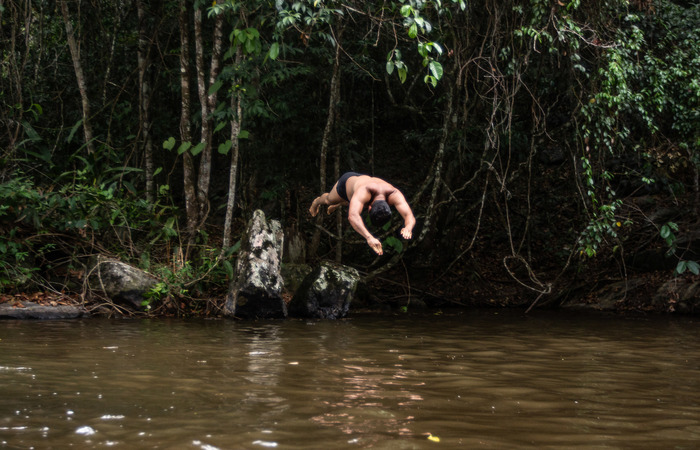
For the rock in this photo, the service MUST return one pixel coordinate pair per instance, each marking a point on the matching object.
(607, 298)
(294, 246)
(326, 292)
(121, 282)
(679, 295)
(31, 310)
(293, 275)
(256, 290)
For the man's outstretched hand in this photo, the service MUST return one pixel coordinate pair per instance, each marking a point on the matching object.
(375, 244)
(406, 233)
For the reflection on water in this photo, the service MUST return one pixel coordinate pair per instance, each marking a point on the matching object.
(475, 380)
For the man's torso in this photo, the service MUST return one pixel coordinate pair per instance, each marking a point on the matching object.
(375, 186)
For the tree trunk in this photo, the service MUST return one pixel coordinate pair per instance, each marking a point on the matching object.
(339, 216)
(233, 170)
(208, 104)
(334, 98)
(144, 62)
(78, 68)
(189, 181)
(12, 119)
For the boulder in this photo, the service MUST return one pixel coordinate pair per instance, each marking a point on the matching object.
(120, 282)
(605, 295)
(679, 295)
(256, 290)
(293, 275)
(326, 292)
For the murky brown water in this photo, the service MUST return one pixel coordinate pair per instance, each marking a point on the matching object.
(477, 380)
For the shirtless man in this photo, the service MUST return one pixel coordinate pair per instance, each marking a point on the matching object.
(358, 190)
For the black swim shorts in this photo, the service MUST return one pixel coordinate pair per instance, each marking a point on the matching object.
(341, 184)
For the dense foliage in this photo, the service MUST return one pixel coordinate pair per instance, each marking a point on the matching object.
(524, 133)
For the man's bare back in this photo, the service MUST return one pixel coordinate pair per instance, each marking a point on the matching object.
(361, 190)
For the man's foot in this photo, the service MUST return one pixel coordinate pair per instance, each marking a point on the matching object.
(333, 208)
(313, 210)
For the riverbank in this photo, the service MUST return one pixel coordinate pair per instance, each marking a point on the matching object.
(644, 293)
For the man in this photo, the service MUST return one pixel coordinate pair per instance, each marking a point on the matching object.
(359, 190)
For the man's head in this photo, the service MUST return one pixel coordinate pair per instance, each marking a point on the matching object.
(379, 213)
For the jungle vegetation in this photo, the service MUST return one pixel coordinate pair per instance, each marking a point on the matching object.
(538, 141)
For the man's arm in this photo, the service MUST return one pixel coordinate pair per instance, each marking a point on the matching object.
(398, 201)
(357, 202)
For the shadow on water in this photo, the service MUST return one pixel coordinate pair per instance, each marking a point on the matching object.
(486, 379)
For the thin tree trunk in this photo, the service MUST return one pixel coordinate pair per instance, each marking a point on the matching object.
(189, 183)
(144, 61)
(208, 103)
(334, 98)
(78, 68)
(440, 159)
(12, 119)
(233, 170)
(112, 47)
(339, 216)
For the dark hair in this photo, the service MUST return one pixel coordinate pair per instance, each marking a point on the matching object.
(380, 213)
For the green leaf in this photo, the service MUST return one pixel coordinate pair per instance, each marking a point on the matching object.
(402, 74)
(228, 268)
(389, 67)
(436, 69)
(219, 126)
(249, 46)
(184, 147)
(74, 130)
(274, 50)
(244, 134)
(693, 266)
(129, 186)
(423, 50)
(413, 31)
(215, 87)
(394, 243)
(169, 144)
(240, 37)
(157, 171)
(31, 132)
(198, 149)
(225, 147)
(680, 268)
(665, 232)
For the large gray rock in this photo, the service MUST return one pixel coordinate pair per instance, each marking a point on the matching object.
(120, 282)
(256, 290)
(326, 293)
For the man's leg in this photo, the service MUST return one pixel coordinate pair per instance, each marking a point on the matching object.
(318, 201)
(330, 199)
(336, 206)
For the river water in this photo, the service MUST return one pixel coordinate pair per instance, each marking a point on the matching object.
(479, 379)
